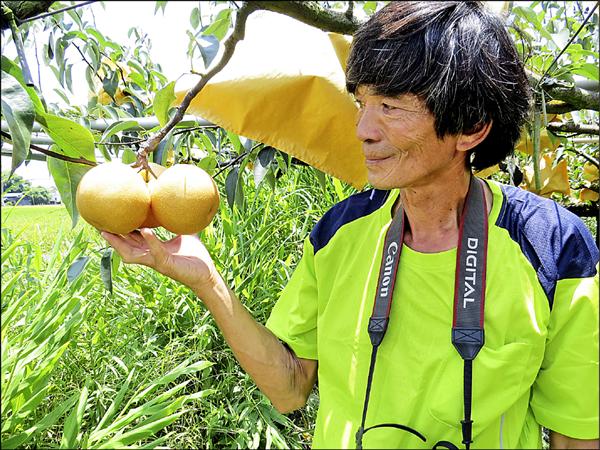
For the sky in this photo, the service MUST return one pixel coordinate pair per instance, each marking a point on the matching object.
(114, 21)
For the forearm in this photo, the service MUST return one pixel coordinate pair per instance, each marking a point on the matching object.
(560, 441)
(279, 374)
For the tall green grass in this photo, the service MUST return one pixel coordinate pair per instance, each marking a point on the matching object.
(145, 365)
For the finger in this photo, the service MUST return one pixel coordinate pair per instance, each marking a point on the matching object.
(156, 245)
(137, 238)
(131, 252)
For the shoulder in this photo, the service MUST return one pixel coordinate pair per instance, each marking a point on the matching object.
(354, 207)
(555, 241)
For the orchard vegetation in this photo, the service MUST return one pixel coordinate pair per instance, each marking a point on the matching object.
(97, 354)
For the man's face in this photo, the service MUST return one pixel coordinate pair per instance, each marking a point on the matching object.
(400, 145)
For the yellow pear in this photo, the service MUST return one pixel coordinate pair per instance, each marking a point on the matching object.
(184, 199)
(113, 197)
(150, 178)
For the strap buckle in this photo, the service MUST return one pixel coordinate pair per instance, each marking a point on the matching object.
(377, 327)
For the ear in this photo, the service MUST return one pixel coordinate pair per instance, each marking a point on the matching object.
(469, 140)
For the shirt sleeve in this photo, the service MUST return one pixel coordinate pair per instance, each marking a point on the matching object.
(294, 317)
(565, 394)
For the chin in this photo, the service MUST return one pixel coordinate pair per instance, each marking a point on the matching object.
(382, 183)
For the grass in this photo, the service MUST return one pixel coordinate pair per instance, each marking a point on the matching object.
(145, 365)
(40, 224)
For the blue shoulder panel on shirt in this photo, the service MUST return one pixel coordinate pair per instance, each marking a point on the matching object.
(348, 210)
(555, 241)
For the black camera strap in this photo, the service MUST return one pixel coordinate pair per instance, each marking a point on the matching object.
(469, 299)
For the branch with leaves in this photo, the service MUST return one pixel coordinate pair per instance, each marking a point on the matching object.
(228, 48)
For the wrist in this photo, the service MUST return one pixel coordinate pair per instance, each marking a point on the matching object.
(213, 286)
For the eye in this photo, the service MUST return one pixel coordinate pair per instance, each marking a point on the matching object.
(388, 108)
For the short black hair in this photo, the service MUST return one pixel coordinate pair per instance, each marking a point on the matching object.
(456, 56)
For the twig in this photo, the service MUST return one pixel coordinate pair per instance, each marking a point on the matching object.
(10, 16)
(136, 141)
(88, 63)
(231, 163)
(54, 154)
(237, 158)
(566, 46)
(189, 130)
(584, 155)
(51, 13)
(350, 10)
(229, 46)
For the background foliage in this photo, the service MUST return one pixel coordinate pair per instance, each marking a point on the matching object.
(99, 354)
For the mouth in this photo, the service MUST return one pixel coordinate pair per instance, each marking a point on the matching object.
(376, 159)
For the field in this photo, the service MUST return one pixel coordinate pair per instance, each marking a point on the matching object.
(39, 224)
(144, 365)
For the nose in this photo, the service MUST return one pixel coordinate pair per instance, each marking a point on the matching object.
(367, 125)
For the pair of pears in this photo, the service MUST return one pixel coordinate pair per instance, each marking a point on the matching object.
(116, 198)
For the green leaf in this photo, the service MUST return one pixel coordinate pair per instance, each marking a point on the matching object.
(114, 406)
(69, 77)
(220, 25)
(209, 164)
(138, 79)
(588, 70)
(106, 269)
(370, 7)
(321, 178)
(99, 36)
(48, 420)
(76, 268)
(66, 178)
(209, 47)
(234, 189)
(195, 18)
(339, 190)
(73, 422)
(261, 164)
(110, 83)
(115, 127)
(19, 113)
(162, 101)
(128, 156)
(142, 432)
(160, 5)
(159, 156)
(73, 139)
(235, 141)
(208, 146)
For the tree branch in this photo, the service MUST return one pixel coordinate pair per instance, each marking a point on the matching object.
(565, 96)
(54, 154)
(314, 14)
(571, 127)
(228, 48)
(584, 155)
(574, 97)
(585, 210)
(23, 10)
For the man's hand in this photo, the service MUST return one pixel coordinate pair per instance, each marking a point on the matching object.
(286, 379)
(183, 258)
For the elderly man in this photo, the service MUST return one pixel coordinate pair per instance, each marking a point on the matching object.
(436, 310)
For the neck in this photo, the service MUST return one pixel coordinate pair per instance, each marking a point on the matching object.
(433, 213)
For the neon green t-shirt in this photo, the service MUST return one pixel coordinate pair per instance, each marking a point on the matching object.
(539, 364)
